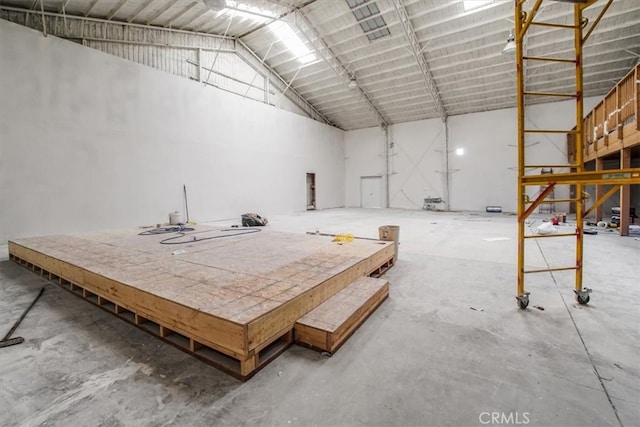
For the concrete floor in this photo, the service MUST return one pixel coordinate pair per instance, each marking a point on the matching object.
(448, 348)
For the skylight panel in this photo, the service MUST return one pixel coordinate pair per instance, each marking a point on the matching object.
(295, 45)
(369, 18)
(366, 11)
(373, 24)
(249, 12)
(377, 34)
(355, 3)
(474, 4)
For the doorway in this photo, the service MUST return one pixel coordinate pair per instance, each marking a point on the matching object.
(311, 191)
(371, 191)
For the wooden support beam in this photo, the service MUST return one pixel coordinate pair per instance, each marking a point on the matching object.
(164, 332)
(139, 320)
(618, 113)
(600, 200)
(288, 337)
(625, 194)
(617, 176)
(599, 188)
(194, 345)
(248, 365)
(637, 103)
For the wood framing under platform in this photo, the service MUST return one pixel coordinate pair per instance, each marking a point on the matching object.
(228, 296)
(329, 325)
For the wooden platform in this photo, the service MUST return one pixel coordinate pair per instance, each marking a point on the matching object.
(613, 124)
(329, 325)
(226, 297)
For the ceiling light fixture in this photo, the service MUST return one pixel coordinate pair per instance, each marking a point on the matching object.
(353, 84)
(510, 47)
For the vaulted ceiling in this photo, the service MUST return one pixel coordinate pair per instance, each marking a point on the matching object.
(408, 59)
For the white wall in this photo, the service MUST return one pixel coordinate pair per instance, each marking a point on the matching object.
(487, 173)
(417, 163)
(89, 141)
(364, 156)
(484, 176)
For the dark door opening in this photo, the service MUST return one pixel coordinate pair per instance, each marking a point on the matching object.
(311, 191)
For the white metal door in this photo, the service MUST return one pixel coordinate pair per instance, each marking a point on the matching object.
(371, 191)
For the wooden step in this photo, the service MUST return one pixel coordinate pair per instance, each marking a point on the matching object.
(329, 325)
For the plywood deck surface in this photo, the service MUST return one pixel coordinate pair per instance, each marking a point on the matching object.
(235, 294)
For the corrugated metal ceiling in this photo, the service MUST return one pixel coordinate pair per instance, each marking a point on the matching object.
(462, 49)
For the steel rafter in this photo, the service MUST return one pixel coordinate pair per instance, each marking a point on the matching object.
(418, 54)
(286, 83)
(91, 7)
(114, 23)
(312, 35)
(243, 52)
(161, 12)
(63, 6)
(139, 10)
(115, 9)
(182, 12)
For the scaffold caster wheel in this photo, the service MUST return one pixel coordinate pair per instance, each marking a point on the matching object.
(583, 301)
(523, 300)
(583, 296)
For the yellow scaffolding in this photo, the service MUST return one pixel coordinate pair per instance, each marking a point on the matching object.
(577, 177)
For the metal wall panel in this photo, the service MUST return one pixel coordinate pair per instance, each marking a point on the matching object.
(177, 53)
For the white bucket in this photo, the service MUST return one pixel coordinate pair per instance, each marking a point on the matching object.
(175, 218)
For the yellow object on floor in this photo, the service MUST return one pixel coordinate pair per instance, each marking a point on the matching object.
(343, 238)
